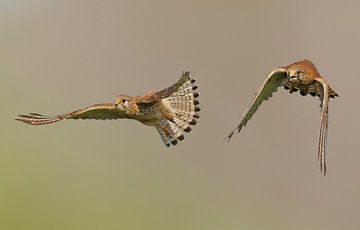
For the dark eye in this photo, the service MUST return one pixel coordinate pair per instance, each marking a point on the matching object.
(124, 100)
(298, 73)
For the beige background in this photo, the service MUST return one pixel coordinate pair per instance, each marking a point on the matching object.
(57, 56)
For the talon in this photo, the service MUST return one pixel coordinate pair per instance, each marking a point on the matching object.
(166, 131)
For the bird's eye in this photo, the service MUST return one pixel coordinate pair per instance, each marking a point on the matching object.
(125, 102)
(298, 73)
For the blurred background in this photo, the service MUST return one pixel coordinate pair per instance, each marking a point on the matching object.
(58, 56)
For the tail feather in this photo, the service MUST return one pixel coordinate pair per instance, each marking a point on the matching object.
(184, 106)
(169, 133)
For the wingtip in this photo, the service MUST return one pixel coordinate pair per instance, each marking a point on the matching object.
(229, 136)
(22, 118)
(323, 172)
(36, 119)
(18, 119)
(323, 168)
(186, 73)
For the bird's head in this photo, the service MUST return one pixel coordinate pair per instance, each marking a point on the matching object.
(296, 75)
(302, 72)
(122, 102)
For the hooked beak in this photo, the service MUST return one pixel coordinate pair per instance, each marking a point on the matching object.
(118, 105)
(291, 75)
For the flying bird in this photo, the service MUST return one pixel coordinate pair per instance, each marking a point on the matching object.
(171, 111)
(300, 76)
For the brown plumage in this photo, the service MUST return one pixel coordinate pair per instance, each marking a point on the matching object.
(300, 76)
(172, 111)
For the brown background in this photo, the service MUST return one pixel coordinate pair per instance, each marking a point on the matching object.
(57, 56)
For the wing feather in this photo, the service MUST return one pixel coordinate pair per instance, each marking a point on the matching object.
(104, 111)
(324, 97)
(158, 95)
(273, 81)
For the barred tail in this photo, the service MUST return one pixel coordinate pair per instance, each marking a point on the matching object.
(184, 105)
(168, 133)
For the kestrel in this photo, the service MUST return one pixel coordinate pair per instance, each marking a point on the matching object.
(171, 110)
(302, 76)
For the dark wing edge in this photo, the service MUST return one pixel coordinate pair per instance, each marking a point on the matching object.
(273, 81)
(104, 111)
(324, 97)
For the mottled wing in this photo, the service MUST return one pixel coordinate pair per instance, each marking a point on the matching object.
(105, 111)
(158, 95)
(273, 81)
(324, 97)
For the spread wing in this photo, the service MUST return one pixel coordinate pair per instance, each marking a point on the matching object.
(105, 111)
(324, 97)
(155, 96)
(273, 81)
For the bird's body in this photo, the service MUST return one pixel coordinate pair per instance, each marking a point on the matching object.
(171, 110)
(310, 83)
(300, 76)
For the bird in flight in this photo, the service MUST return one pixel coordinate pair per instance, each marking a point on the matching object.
(300, 76)
(171, 110)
